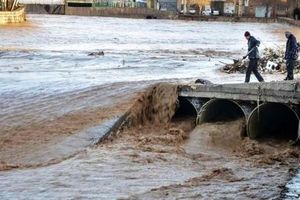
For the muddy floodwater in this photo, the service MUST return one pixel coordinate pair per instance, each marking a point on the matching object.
(54, 84)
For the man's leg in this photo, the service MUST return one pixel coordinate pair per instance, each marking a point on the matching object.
(248, 72)
(255, 71)
(290, 69)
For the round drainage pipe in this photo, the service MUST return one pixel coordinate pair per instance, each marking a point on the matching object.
(224, 110)
(273, 120)
(185, 108)
(220, 110)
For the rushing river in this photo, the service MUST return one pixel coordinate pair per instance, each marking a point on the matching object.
(48, 56)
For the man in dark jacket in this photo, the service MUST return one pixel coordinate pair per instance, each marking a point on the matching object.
(253, 56)
(291, 54)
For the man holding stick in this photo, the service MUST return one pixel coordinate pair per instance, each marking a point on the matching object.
(253, 56)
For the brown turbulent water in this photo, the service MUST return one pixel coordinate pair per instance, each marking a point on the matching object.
(51, 89)
(154, 156)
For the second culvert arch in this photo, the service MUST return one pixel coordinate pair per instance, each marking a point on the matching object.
(220, 110)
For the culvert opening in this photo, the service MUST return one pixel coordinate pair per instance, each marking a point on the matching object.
(220, 110)
(273, 120)
(185, 114)
(185, 109)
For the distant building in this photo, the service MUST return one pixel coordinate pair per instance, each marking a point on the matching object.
(163, 5)
(79, 3)
(200, 3)
(222, 6)
(167, 5)
(248, 8)
(262, 8)
(282, 8)
(293, 8)
(252, 8)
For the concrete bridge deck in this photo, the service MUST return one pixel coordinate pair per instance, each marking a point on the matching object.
(269, 109)
(277, 92)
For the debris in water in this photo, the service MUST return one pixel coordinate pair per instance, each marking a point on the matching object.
(97, 53)
(203, 81)
(271, 61)
(4, 166)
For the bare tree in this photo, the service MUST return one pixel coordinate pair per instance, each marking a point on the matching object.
(267, 8)
(9, 5)
(14, 4)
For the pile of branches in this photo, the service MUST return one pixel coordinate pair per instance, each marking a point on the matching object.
(272, 60)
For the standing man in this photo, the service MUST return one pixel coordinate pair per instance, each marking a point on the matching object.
(291, 55)
(253, 56)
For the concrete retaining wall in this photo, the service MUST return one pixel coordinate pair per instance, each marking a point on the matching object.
(289, 21)
(45, 9)
(227, 19)
(17, 16)
(120, 12)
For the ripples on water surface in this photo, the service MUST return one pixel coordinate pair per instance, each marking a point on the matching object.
(49, 54)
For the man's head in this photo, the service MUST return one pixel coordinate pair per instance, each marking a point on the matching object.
(287, 34)
(247, 35)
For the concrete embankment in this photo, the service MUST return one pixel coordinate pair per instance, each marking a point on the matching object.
(120, 12)
(67, 147)
(140, 12)
(45, 9)
(152, 13)
(226, 18)
(288, 21)
(16, 16)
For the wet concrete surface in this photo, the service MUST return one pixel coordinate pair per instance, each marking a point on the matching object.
(70, 145)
